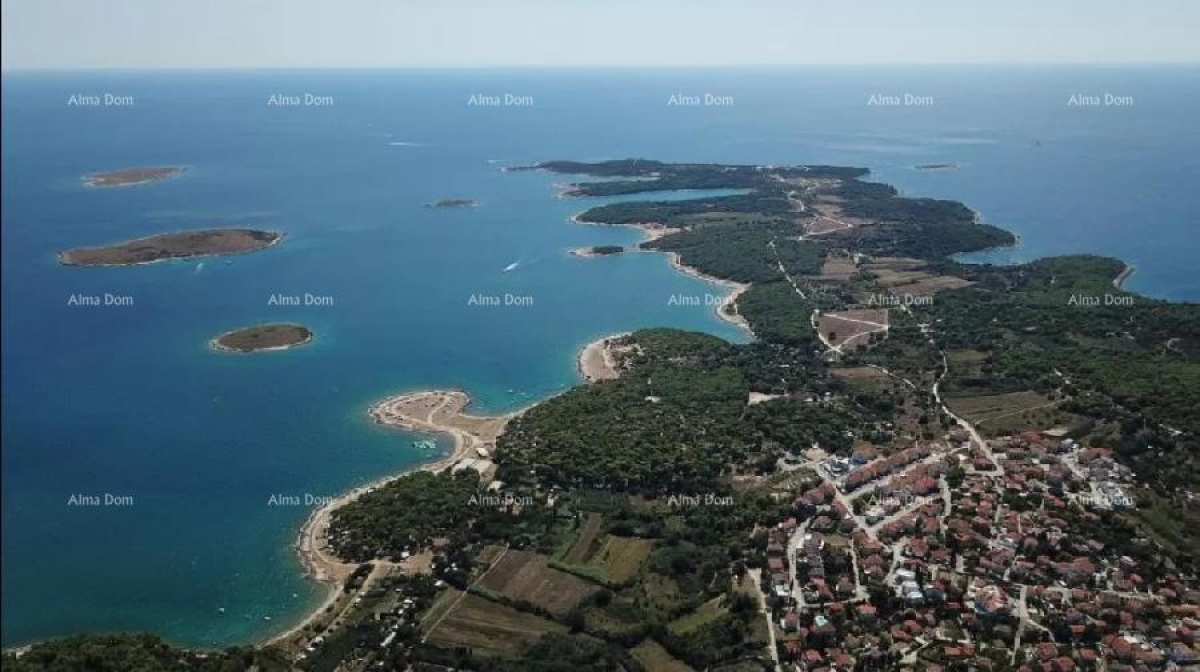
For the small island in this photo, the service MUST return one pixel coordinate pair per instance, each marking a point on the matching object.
(263, 337)
(597, 251)
(129, 177)
(454, 203)
(985, 395)
(179, 245)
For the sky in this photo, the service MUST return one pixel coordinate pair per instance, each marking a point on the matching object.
(69, 34)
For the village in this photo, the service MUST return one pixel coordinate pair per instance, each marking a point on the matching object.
(956, 555)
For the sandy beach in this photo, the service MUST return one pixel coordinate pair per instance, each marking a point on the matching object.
(597, 360)
(442, 411)
(217, 345)
(434, 411)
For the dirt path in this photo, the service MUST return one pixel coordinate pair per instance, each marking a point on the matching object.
(435, 411)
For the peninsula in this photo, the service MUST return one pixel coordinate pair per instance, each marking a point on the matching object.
(263, 337)
(178, 245)
(129, 177)
(915, 460)
(705, 505)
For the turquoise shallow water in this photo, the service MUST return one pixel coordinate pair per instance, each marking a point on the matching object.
(129, 400)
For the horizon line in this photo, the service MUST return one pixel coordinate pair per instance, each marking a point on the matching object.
(666, 66)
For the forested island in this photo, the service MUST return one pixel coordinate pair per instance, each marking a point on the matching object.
(598, 251)
(178, 245)
(916, 464)
(128, 177)
(453, 203)
(263, 337)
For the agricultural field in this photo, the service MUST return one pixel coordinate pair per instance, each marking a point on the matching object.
(526, 576)
(658, 594)
(581, 547)
(440, 607)
(998, 414)
(655, 658)
(930, 285)
(620, 558)
(852, 327)
(489, 628)
(705, 613)
(611, 559)
(837, 267)
(908, 277)
(860, 374)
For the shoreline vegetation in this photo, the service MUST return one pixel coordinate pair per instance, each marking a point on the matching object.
(818, 262)
(263, 338)
(1119, 281)
(596, 361)
(726, 309)
(131, 177)
(430, 412)
(171, 246)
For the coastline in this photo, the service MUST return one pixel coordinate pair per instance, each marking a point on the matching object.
(594, 362)
(726, 309)
(62, 260)
(588, 252)
(93, 184)
(1119, 281)
(394, 411)
(96, 180)
(215, 344)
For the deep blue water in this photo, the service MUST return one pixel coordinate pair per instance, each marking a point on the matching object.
(130, 401)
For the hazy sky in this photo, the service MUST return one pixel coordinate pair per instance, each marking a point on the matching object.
(481, 33)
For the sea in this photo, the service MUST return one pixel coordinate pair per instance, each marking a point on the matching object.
(188, 451)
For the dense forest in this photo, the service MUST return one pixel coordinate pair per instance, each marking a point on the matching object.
(777, 314)
(137, 653)
(411, 512)
(743, 252)
(1132, 363)
(675, 212)
(675, 422)
(693, 415)
(658, 176)
(403, 515)
(669, 424)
